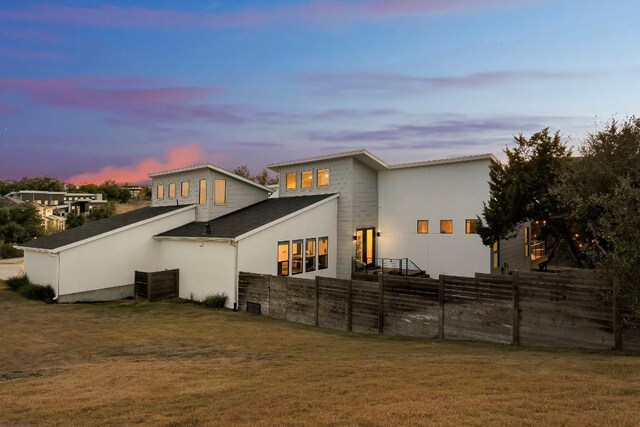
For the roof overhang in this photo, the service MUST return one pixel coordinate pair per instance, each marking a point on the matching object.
(363, 156)
(451, 160)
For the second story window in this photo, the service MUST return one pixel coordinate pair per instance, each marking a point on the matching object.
(172, 190)
(160, 191)
(219, 191)
(470, 226)
(292, 179)
(184, 189)
(322, 179)
(446, 226)
(202, 196)
(423, 226)
(306, 179)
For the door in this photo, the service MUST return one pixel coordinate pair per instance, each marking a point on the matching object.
(366, 245)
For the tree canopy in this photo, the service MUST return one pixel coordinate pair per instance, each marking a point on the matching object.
(261, 177)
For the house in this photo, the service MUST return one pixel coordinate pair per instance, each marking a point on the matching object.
(334, 215)
(51, 222)
(60, 203)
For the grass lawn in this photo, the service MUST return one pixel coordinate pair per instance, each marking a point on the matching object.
(173, 364)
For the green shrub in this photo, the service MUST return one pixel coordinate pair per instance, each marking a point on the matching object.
(16, 282)
(215, 300)
(37, 292)
(8, 251)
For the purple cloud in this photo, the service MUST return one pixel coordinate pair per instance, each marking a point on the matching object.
(32, 34)
(31, 54)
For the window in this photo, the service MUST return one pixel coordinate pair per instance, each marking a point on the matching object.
(323, 253)
(495, 254)
(172, 190)
(292, 179)
(202, 197)
(310, 255)
(526, 241)
(283, 258)
(306, 179)
(322, 179)
(219, 191)
(296, 257)
(423, 226)
(184, 189)
(160, 191)
(446, 226)
(470, 226)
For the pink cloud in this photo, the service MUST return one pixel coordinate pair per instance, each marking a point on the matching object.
(31, 54)
(173, 158)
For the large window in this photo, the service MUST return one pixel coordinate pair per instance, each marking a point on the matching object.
(322, 179)
(495, 254)
(470, 226)
(202, 195)
(526, 242)
(172, 190)
(446, 226)
(283, 258)
(160, 191)
(323, 253)
(219, 191)
(306, 179)
(292, 179)
(184, 189)
(296, 257)
(423, 226)
(310, 255)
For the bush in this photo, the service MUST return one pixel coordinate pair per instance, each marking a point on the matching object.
(16, 282)
(37, 292)
(215, 300)
(8, 251)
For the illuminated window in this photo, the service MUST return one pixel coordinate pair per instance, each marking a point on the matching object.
(306, 179)
(220, 191)
(296, 257)
(310, 255)
(423, 226)
(446, 226)
(322, 179)
(470, 226)
(283, 258)
(184, 189)
(172, 190)
(291, 181)
(160, 191)
(495, 254)
(526, 241)
(323, 253)
(202, 196)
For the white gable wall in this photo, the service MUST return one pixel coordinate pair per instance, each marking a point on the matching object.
(41, 268)
(451, 191)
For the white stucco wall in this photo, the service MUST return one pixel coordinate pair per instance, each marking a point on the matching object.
(206, 267)
(450, 191)
(41, 268)
(112, 260)
(259, 253)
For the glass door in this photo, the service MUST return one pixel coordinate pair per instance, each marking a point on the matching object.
(366, 245)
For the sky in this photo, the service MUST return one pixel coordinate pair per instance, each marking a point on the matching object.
(93, 90)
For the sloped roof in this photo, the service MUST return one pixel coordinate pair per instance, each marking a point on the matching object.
(10, 202)
(247, 219)
(96, 228)
(214, 168)
(363, 156)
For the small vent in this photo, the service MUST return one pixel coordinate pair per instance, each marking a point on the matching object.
(252, 307)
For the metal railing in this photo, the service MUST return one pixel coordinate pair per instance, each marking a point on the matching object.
(538, 250)
(390, 266)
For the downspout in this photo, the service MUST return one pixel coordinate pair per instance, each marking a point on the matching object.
(235, 275)
(57, 256)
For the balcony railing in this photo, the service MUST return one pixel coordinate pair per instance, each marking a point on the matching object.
(390, 266)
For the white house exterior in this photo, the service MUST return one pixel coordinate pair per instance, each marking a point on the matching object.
(333, 215)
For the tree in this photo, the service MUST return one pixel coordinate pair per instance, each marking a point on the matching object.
(44, 183)
(74, 220)
(20, 224)
(261, 178)
(520, 191)
(101, 212)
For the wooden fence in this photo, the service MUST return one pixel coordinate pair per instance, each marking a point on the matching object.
(157, 285)
(568, 309)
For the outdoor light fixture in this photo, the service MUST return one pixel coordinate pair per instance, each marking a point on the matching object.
(378, 234)
(355, 237)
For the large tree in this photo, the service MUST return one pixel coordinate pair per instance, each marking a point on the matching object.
(520, 191)
(261, 177)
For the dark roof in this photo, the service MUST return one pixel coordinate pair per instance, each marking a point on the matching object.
(9, 202)
(95, 228)
(244, 220)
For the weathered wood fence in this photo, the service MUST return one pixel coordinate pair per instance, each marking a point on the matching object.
(568, 309)
(157, 285)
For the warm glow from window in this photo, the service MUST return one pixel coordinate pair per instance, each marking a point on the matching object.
(220, 191)
(160, 191)
(323, 178)
(291, 181)
(296, 257)
(470, 226)
(202, 196)
(495, 249)
(283, 258)
(310, 255)
(184, 190)
(306, 179)
(323, 253)
(526, 242)
(172, 190)
(423, 226)
(446, 226)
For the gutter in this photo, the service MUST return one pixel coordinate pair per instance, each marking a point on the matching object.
(57, 257)
(235, 276)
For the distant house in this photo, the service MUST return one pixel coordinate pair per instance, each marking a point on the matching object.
(59, 203)
(51, 222)
(334, 215)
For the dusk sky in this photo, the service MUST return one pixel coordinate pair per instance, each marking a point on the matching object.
(93, 90)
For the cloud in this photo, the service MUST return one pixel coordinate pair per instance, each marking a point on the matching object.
(32, 34)
(320, 11)
(175, 157)
(31, 54)
(393, 83)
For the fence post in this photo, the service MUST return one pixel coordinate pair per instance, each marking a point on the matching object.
(380, 305)
(149, 287)
(515, 329)
(177, 283)
(349, 305)
(441, 306)
(317, 300)
(617, 324)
